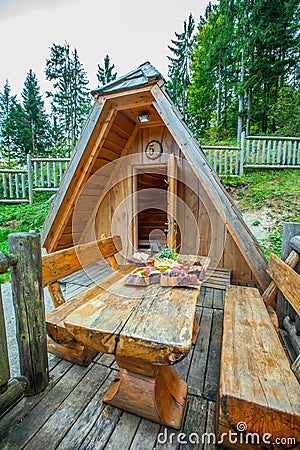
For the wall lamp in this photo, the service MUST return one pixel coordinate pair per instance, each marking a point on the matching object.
(143, 117)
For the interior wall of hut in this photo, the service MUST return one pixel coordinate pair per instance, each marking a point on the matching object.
(201, 230)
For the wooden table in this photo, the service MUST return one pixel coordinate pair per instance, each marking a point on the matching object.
(148, 329)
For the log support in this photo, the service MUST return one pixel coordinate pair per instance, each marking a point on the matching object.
(28, 298)
(14, 392)
(151, 391)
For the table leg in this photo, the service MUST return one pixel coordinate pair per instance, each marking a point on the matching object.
(196, 329)
(157, 393)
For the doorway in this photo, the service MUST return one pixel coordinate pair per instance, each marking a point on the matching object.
(151, 207)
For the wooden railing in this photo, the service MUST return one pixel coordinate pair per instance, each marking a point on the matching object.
(272, 152)
(25, 261)
(225, 160)
(256, 152)
(47, 173)
(40, 174)
(13, 186)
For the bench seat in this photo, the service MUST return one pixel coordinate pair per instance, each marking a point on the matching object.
(257, 391)
(55, 319)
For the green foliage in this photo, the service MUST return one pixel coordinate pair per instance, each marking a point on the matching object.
(245, 66)
(277, 191)
(179, 67)
(105, 74)
(6, 100)
(24, 127)
(37, 125)
(70, 102)
(167, 253)
(22, 217)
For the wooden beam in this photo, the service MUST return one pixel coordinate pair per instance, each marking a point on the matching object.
(74, 178)
(65, 262)
(28, 297)
(218, 195)
(271, 291)
(287, 280)
(110, 183)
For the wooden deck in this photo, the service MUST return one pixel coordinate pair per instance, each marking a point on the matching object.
(70, 414)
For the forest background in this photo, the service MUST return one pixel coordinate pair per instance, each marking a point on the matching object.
(237, 69)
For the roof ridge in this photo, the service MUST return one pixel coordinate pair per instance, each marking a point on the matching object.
(137, 77)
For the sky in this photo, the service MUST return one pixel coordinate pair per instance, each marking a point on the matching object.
(131, 32)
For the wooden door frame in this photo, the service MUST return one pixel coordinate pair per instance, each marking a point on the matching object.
(134, 171)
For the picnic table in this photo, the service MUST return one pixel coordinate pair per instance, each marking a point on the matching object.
(148, 329)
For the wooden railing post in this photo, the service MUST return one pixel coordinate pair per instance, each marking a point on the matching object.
(30, 183)
(241, 172)
(28, 297)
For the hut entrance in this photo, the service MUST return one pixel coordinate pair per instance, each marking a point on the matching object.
(151, 205)
(152, 202)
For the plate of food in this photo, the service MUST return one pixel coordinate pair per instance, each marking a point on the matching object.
(143, 277)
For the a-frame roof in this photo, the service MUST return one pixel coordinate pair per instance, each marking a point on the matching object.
(138, 77)
(132, 92)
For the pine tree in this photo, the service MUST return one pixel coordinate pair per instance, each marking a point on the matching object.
(105, 74)
(21, 133)
(70, 103)
(179, 67)
(6, 100)
(37, 120)
(246, 53)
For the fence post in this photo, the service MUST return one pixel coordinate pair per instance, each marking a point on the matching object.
(28, 297)
(30, 183)
(242, 154)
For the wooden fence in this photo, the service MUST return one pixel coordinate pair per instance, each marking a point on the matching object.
(225, 160)
(45, 174)
(14, 186)
(256, 152)
(271, 152)
(40, 174)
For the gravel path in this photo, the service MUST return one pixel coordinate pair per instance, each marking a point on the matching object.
(10, 322)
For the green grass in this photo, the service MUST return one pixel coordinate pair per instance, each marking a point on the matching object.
(22, 217)
(278, 191)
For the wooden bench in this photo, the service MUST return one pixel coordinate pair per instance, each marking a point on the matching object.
(62, 263)
(258, 395)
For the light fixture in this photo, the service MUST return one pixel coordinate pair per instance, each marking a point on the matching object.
(143, 117)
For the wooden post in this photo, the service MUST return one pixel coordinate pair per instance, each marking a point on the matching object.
(30, 185)
(4, 362)
(28, 297)
(5, 262)
(15, 391)
(290, 229)
(241, 172)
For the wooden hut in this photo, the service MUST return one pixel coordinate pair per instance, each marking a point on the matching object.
(138, 172)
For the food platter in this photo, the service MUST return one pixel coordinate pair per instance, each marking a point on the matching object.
(177, 270)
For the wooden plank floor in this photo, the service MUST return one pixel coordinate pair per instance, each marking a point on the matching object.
(69, 414)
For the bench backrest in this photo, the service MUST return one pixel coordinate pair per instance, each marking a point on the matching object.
(286, 279)
(62, 263)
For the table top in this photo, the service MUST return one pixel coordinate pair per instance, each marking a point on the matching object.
(152, 323)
